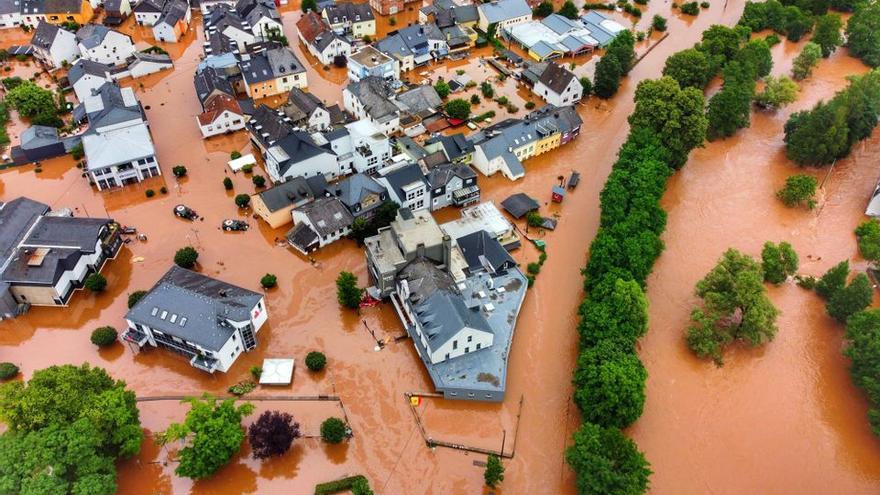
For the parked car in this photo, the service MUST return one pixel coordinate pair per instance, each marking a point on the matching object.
(186, 212)
(230, 225)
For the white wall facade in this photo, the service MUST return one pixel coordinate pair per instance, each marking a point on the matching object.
(115, 48)
(147, 18)
(225, 122)
(569, 96)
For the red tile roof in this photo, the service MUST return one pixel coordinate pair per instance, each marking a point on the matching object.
(215, 105)
(310, 26)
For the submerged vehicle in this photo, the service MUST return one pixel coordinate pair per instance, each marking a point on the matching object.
(186, 212)
(230, 225)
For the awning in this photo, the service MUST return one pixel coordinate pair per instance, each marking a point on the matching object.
(466, 192)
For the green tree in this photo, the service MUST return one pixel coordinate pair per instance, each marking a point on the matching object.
(799, 189)
(735, 307)
(8, 370)
(605, 461)
(609, 385)
(690, 67)
(227, 183)
(242, 200)
(620, 315)
(833, 280)
(673, 114)
(863, 33)
(211, 433)
(494, 472)
(658, 23)
(606, 80)
(868, 233)
(586, 86)
(720, 44)
(475, 100)
(179, 171)
(486, 89)
(186, 257)
(827, 34)
(95, 282)
(268, 281)
(442, 88)
(458, 108)
(309, 5)
(259, 181)
(543, 9)
(778, 92)
(806, 61)
(851, 299)
(818, 136)
(755, 56)
(347, 291)
(361, 487)
(333, 430)
(568, 10)
(315, 361)
(730, 108)
(863, 350)
(33, 102)
(135, 296)
(622, 47)
(778, 262)
(104, 336)
(797, 23)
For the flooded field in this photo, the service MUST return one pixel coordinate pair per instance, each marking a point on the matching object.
(745, 428)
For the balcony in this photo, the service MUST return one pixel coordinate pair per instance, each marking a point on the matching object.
(135, 337)
(204, 363)
(466, 195)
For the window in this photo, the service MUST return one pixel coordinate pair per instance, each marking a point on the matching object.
(233, 337)
(467, 350)
(470, 338)
(447, 356)
(163, 315)
(154, 311)
(173, 318)
(479, 346)
(454, 345)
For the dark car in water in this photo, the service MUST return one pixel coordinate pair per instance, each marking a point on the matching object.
(230, 225)
(186, 212)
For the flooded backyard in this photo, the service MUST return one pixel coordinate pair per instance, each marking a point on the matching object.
(781, 419)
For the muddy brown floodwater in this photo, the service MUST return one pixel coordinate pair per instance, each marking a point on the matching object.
(745, 428)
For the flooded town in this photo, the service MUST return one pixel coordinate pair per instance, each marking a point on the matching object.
(439, 247)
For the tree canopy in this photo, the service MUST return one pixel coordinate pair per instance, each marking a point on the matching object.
(778, 92)
(606, 461)
(847, 301)
(615, 63)
(863, 33)
(799, 189)
(569, 10)
(778, 262)
(833, 280)
(494, 472)
(609, 385)
(347, 291)
(621, 316)
(868, 233)
(827, 34)
(863, 350)
(804, 63)
(690, 67)
(272, 434)
(35, 103)
(458, 109)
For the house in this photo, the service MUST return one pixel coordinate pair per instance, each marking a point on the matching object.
(456, 148)
(272, 72)
(554, 36)
(483, 217)
(318, 224)
(103, 45)
(210, 81)
(369, 61)
(452, 184)
(361, 194)
(359, 147)
(262, 16)
(46, 256)
(297, 154)
(415, 45)
(324, 43)
(458, 299)
(601, 27)
(558, 86)
(221, 115)
(355, 19)
(86, 75)
(389, 7)
(276, 204)
(266, 126)
(407, 187)
(61, 11)
(503, 13)
(209, 6)
(54, 46)
(370, 98)
(421, 101)
(208, 321)
(306, 110)
(173, 22)
(39, 142)
(147, 12)
(142, 64)
(226, 31)
(117, 11)
(10, 13)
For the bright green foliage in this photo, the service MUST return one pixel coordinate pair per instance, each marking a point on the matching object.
(827, 34)
(755, 55)
(333, 430)
(361, 487)
(759, 16)
(568, 10)
(242, 200)
(851, 299)
(799, 189)
(104, 336)
(803, 65)
(620, 316)
(606, 80)
(778, 92)
(735, 307)
(834, 280)
(658, 23)
(868, 233)
(442, 89)
(308, 5)
(340, 485)
(609, 385)
(605, 461)
(675, 115)
(863, 350)
(778, 262)
(268, 281)
(235, 155)
(730, 108)
(494, 472)
(8, 370)
(543, 9)
(212, 435)
(347, 291)
(186, 257)
(95, 282)
(315, 361)
(690, 67)
(863, 34)
(35, 103)
(720, 44)
(458, 108)
(135, 296)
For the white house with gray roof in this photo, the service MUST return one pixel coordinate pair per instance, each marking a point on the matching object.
(318, 224)
(208, 321)
(103, 45)
(503, 13)
(86, 75)
(10, 13)
(369, 61)
(54, 46)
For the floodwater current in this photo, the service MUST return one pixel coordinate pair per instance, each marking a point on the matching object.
(780, 419)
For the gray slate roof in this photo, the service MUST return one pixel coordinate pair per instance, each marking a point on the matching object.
(327, 215)
(502, 10)
(352, 12)
(83, 67)
(92, 35)
(482, 252)
(355, 188)
(210, 81)
(404, 176)
(291, 192)
(556, 77)
(44, 35)
(420, 100)
(373, 94)
(201, 303)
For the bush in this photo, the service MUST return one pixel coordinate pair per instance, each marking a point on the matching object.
(704, 5)
(186, 257)
(772, 40)
(690, 8)
(868, 233)
(247, 168)
(533, 268)
(315, 361)
(104, 336)
(778, 262)
(227, 183)
(798, 189)
(163, 190)
(77, 152)
(242, 200)
(256, 372)
(235, 155)
(778, 92)
(486, 89)
(586, 87)
(179, 171)
(272, 434)
(95, 282)
(530, 105)
(268, 281)
(259, 181)
(149, 193)
(804, 63)
(337, 486)
(442, 89)
(568, 10)
(8, 370)
(494, 472)
(333, 430)
(475, 100)
(242, 388)
(135, 296)
(544, 9)
(658, 23)
(361, 487)
(347, 292)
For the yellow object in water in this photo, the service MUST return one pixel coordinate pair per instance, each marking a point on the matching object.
(137, 259)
